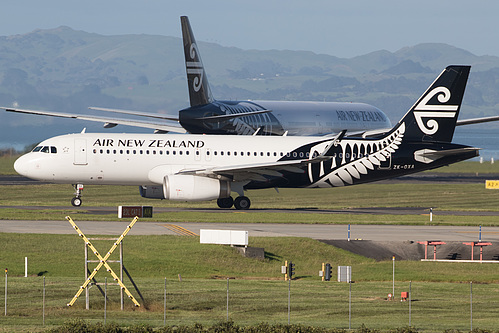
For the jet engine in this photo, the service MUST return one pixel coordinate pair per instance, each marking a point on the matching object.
(194, 188)
(151, 192)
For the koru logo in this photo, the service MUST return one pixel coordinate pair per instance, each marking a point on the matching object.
(425, 110)
(195, 68)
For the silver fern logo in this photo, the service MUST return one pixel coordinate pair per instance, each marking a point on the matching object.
(425, 110)
(356, 159)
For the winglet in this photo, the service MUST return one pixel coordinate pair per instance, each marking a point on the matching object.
(197, 81)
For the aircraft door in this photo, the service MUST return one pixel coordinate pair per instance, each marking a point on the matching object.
(80, 157)
(387, 164)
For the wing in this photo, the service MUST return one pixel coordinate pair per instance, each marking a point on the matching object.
(247, 172)
(257, 171)
(108, 121)
(136, 113)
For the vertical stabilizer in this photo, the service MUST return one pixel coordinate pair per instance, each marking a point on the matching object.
(199, 89)
(434, 116)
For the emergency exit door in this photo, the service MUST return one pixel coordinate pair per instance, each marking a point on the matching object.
(80, 152)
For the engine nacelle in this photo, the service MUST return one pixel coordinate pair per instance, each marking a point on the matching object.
(194, 188)
(151, 192)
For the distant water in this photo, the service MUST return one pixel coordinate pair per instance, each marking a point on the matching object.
(487, 139)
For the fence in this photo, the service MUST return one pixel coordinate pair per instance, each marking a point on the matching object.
(433, 305)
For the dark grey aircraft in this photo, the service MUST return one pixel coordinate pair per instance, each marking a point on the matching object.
(209, 116)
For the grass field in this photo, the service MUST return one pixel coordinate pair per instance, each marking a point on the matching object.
(257, 293)
(441, 291)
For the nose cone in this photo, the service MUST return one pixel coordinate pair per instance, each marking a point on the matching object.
(21, 166)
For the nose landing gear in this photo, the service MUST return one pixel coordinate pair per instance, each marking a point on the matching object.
(76, 201)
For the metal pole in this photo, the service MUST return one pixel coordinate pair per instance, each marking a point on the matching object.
(121, 275)
(105, 299)
(227, 299)
(480, 234)
(349, 232)
(87, 291)
(289, 301)
(25, 266)
(43, 302)
(410, 294)
(431, 214)
(164, 314)
(393, 278)
(350, 305)
(6, 275)
(471, 305)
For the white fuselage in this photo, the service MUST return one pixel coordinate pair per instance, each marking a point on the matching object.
(144, 159)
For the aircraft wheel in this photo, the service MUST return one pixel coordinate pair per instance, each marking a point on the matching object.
(242, 203)
(225, 202)
(76, 202)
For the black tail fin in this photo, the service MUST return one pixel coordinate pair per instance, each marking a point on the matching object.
(199, 89)
(434, 116)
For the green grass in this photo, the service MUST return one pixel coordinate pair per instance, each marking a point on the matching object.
(258, 294)
(441, 291)
(7, 165)
(459, 197)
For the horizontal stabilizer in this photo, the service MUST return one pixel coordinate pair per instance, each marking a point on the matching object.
(476, 120)
(430, 155)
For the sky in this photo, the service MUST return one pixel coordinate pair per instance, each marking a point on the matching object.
(340, 28)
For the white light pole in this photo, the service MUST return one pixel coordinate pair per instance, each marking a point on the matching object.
(393, 278)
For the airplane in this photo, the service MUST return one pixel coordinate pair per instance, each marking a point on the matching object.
(209, 116)
(190, 167)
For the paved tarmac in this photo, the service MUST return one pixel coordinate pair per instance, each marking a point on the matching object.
(315, 231)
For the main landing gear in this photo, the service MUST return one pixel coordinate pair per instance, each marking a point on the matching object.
(240, 203)
(76, 201)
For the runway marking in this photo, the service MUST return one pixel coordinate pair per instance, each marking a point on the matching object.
(179, 230)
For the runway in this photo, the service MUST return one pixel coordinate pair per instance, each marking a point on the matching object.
(315, 231)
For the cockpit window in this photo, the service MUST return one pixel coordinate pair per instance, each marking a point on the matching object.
(45, 149)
